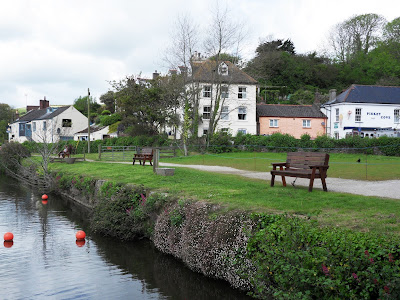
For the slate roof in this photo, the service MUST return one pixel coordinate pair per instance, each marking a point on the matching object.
(369, 94)
(93, 128)
(41, 114)
(205, 70)
(289, 111)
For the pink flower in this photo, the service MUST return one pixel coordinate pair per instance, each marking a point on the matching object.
(355, 277)
(325, 270)
(371, 260)
(386, 288)
(366, 253)
(375, 281)
(391, 257)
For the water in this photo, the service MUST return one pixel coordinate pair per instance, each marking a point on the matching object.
(45, 262)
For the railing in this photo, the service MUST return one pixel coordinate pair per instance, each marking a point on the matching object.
(118, 153)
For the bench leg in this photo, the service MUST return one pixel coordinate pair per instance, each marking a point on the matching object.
(272, 180)
(283, 181)
(133, 162)
(144, 161)
(324, 184)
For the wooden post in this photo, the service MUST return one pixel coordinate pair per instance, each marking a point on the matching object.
(156, 159)
(99, 148)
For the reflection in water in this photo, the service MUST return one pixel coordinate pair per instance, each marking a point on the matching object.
(46, 261)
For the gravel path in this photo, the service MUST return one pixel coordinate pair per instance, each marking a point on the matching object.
(387, 188)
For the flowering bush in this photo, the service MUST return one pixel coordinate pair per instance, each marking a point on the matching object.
(296, 259)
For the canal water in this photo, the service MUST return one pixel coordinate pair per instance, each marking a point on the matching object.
(45, 261)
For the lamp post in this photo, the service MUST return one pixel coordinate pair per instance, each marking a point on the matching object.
(88, 129)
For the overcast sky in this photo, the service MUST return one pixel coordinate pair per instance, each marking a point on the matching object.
(59, 49)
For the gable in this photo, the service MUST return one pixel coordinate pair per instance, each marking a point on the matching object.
(369, 94)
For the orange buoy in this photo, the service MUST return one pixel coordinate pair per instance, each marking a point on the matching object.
(8, 244)
(8, 237)
(80, 243)
(80, 235)
(44, 202)
(45, 197)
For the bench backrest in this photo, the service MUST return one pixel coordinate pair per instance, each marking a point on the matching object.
(146, 151)
(303, 160)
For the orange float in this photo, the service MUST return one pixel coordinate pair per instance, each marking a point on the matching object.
(8, 237)
(45, 197)
(80, 235)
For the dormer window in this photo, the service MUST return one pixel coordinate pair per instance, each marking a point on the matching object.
(223, 69)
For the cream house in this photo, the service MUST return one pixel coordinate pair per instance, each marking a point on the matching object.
(237, 91)
(48, 124)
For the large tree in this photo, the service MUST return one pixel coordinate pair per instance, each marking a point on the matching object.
(108, 99)
(356, 35)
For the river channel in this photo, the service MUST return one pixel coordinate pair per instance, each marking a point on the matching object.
(45, 262)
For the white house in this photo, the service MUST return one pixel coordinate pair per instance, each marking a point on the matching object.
(96, 133)
(368, 111)
(47, 124)
(237, 90)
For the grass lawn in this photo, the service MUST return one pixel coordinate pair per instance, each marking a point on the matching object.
(371, 167)
(234, 192)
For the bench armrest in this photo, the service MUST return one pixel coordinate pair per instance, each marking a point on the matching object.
(278, 164)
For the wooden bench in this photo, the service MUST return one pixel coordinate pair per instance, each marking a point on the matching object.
(143, 155)
(304, 165)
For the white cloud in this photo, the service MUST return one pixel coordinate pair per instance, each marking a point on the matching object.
(60, 48)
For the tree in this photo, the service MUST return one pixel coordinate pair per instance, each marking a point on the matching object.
(142, 104)
(358, 34)
(81, 104)
(109, 101)
(6, 116)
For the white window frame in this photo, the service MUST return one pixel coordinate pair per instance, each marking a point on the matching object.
(206, 112)
(224, 91)
(273, 123)
(306, 123)
(242, 113)
(337, 115)
(207, 91)
(242, 130)
(358, 114)
(44, 126)
(397, 115)
(33, 126)
(225, 113)
(242, 92)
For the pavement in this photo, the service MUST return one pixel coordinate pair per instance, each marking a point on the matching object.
(385, 188)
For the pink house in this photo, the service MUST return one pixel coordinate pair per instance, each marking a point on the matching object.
(295, 120)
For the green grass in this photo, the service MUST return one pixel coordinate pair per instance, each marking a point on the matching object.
(234, 192)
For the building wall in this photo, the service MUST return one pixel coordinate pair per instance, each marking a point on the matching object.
(372, 116)
(292, 126)
(233, 124)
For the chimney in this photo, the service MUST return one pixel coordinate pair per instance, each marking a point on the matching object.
(155, 75)
(44, 103)
(317, 98)
(332, 94)
(16, 115)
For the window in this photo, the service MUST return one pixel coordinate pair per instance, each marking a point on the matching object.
(358, 114)
(242, 93)
(207, 91)
(397, 115)
(242, 113)
(205, 131)
(223, 69)
(225, 130)
(307, 123)
(44, 125)
(242, 131)
(225, 113)
(273, 123)
(337, 114)
(206, 112)
(224, 91)
(66, 122)
(33, 126)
